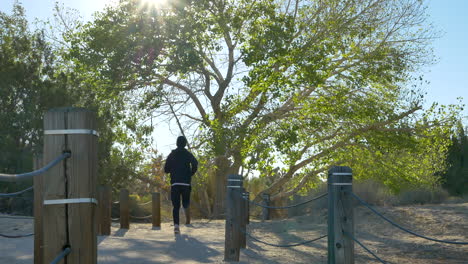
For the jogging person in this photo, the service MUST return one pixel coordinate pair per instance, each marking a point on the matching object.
(181, 165)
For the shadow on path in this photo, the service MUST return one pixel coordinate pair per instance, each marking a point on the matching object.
(182, 249)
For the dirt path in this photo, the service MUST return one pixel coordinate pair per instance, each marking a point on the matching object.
(204, 242)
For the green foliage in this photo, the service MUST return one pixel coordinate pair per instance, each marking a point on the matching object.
(455, 179)
(283, 88)
(35, 75)
(29, 85)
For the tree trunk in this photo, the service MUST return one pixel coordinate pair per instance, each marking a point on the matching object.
(219, 186)
(224, 167)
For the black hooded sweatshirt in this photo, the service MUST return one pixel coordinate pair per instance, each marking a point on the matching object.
(181, 164)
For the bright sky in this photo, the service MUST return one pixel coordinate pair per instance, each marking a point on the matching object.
(448, 78)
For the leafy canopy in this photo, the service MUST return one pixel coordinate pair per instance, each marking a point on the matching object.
(284, 88)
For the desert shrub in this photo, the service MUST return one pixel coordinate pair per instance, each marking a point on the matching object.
(312, 207)
(373, 192)
(422, 195)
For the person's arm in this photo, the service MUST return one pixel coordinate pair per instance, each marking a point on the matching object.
(168, 164)
(194, 164)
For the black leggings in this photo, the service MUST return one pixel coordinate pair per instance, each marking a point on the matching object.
(176, 192)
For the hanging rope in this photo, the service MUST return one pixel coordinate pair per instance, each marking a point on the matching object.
(16, 236)
(289, 206)
(280, 245)
(16, 177)
(144, 203)
(17, 217)
(141, 217)
(61, 256)
(16, 193)
(402, 228)
(364, 247)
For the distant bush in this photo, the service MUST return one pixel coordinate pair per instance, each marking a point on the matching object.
(373, 192)
(422, 195)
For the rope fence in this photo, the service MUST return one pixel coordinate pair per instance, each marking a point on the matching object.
(16, 236)
(340, 224)
(16, 177)
(237, 216)
(288, 206)
(62, 255)
(16, 193)
(402, 228)
(281, 245)
(142, 204)
(17, 217)
(61, 125)
(244, 231)
(141, 217)
(364, 247)
(124, 207)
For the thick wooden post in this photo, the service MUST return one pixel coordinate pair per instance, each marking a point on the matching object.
(38, 201)
(69, 210)
(340, 216)
(156, 210)
(266, 211)
(124, 209)
(233, 219)
(104, 211)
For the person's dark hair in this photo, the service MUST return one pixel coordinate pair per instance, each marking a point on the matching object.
(181, 142)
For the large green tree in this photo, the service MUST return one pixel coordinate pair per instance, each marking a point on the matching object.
(28, 87)
(34, 77)
(281, 88)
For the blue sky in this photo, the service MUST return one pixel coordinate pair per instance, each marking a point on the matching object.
(448, 78)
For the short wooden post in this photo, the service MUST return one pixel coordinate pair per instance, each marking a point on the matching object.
(266, 211)
(38, 201)
(104, 211)
(124, 209)
(233, 220)
(244, 216)
(69, 210)
(340, 216)
(156, 209)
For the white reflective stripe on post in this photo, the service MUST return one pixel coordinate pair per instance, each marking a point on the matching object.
(341, 183)
(234, 180)
(71, 131)
(342, 173)
(71, 201)
(234, 186)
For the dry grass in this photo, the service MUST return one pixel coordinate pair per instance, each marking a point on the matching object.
(443, 221)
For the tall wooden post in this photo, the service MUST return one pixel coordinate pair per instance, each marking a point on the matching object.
(233, 219)
(104, 211)
(69, 210)
(340, 216)
(124, 209)
(266, 211)
(156, 210)
(38, 201)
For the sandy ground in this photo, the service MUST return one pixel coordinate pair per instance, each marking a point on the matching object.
(204, 242)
